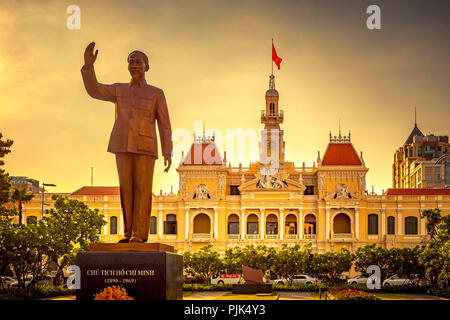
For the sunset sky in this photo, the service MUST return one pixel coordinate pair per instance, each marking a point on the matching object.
(213, 61)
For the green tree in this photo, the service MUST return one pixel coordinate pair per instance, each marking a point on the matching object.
(291, 260)
(435, 256)
(258, 257)
(70, 226)
(5, 184)
(372, 255)
(331, 264)
(204, 262)
(22, 249)
(21, 196)
(405, 261)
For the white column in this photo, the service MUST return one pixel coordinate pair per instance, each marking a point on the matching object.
(422, 222)
(216, 223)
(105, 228)
(281, 228)
(357, 223)
(300, 224)
(243, 223)
(186, 224)
(327, 223)
(383, 223)
(261, 224)
(160, 223)
(399, 222)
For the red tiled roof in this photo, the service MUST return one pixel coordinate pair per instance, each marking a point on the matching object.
(97, 191)
(203, 154)
(341, 154)
(417, 191)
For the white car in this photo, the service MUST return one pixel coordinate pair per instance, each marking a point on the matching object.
(224, 278)
(396, 280)
(5, 281)
(298, 279)
(361, 279)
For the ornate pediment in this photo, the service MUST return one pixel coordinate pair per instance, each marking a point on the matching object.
(272, 185)
(342, 193)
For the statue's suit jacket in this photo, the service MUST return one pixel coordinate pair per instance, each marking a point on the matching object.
(137, 109)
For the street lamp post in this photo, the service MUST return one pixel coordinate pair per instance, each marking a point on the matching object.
(43, 190)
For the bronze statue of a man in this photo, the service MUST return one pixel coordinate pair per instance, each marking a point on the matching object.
(133, 137)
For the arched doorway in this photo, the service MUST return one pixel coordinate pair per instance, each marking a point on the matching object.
(341, 223)
(202, 223)
(271, 224)
(290, 224)
(233, 224)
(310, 224)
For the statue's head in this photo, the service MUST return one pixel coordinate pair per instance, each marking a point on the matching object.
(137, 64)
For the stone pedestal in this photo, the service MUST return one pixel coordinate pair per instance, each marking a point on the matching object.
(148, 271)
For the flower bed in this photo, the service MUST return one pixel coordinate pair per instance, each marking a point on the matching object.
(113, 293)
(344, 293)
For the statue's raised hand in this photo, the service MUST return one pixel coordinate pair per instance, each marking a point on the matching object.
(89, 56)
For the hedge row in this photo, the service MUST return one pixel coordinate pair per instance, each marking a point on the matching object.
(316, 287)
(37, 292)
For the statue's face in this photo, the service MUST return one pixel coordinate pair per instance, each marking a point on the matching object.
(136, 66)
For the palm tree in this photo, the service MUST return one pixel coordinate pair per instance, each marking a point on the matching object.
(21, 196)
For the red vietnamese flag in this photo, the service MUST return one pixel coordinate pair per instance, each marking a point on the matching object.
(275, 58)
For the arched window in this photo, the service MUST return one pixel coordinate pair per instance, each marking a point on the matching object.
(410, 225)
(252, 224)
(233, 224)
(31, 220)
(290, 224)
(153, 225)
(372, 224)
(272, 108)
(170, 225)
(272, 224)
(113, 225)
(391, 225)
(310, 224)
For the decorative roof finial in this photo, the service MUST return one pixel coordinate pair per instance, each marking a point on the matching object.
(415, 117)
(272, 82)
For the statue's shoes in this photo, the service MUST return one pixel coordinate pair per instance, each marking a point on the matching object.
(137, 239)
(124, 240)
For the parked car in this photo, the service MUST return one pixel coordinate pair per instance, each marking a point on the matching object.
(397, 280)
(361, 279)
(40, 280)
(298, 279)
(231, 278)
(6, 281)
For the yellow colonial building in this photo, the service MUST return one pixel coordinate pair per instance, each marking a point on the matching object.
(274, 202)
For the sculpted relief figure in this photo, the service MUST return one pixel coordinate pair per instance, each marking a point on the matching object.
(133, 138)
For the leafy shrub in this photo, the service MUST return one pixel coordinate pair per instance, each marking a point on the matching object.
(113, 293)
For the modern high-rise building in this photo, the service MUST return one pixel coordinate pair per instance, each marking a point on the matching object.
(423, 161)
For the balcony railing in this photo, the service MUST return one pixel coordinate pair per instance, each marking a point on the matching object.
(271, 236)
(252, 236)
(272, 114)
(201, 236)
(342, 235)
(291, 236)
(309, 236)
(233, 237)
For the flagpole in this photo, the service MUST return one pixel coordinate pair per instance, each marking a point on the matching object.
(272, 56)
